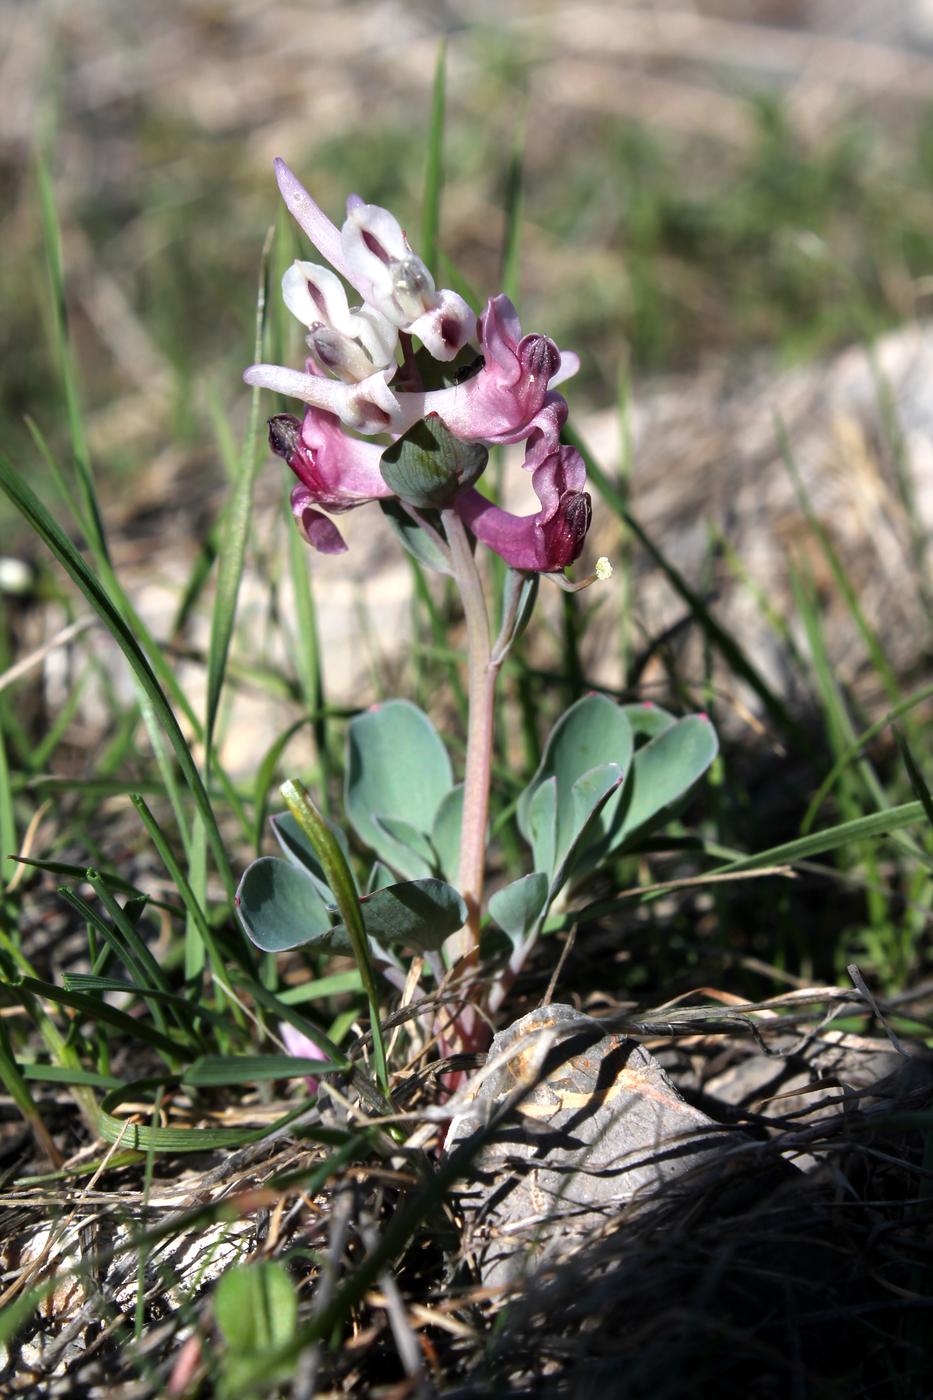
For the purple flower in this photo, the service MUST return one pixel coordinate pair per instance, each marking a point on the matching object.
(551, 539)
(501, 402)
(348, 384)
(333, 469)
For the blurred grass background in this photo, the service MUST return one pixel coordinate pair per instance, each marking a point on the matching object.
(692, 183)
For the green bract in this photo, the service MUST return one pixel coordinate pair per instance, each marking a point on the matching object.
(427, 466)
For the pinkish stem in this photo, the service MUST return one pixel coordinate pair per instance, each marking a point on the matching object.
(482, 675)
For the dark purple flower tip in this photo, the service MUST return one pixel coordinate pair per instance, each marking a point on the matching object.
(539, 357)
(563, 535)
(548, 541)
(284, 435)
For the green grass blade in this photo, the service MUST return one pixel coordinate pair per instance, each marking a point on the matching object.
(265, 772)
(213, 1071)
(869, 637)
(235, 531)
(93, 985)
(79, 872)
(95, 1009)
(510, 273)
(196, 884)
(832, 839)
(321, 987)
(145, 1138)
(18, 1090)
(25, 499)
(308, 658)
(115, 589)
(115, 939)
(434, 165)
(917, 780)
(193, 905)
(63, 1074)
(819, 797)
(149, 966)
(624, 563)
(90, 517)
(839, 725)
(338, 876)
(8, 841)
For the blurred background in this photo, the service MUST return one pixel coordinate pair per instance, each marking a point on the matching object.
(709, 178)
(726, 206)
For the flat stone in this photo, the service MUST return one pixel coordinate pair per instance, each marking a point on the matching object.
(574, 1126)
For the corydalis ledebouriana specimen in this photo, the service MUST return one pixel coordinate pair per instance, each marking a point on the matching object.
(362, 379)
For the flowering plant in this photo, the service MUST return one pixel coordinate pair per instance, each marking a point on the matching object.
(404, 394)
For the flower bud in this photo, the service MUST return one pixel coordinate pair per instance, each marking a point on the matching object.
(447, 326)
(351, 344)
(339, 354)
(412, 286)
(284, 434)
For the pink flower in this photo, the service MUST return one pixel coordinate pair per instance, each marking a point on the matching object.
(333, 469)
(551, 539)
(500, 403)
(373, 254)
(348, 383)
(303, 1048)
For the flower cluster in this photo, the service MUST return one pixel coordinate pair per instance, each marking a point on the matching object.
(362, 381)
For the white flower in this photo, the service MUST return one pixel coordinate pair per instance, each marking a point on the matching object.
(351, 344)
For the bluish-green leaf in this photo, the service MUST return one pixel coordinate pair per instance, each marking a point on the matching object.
(415, 842)
(592, 733)
(296, 846)
(445, 836)
(647, 719)
(396, 765)
(418, 914)
(594, 794)
(411, 537)
(517, 908)
(542, 825)
(379, 876)
(663, 773)
(279, 907)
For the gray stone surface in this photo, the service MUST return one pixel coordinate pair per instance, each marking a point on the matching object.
(589, 1125)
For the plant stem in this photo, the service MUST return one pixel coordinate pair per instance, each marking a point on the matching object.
(482, 674)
